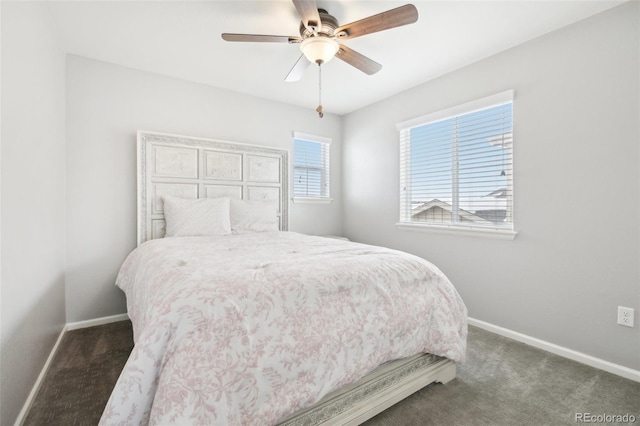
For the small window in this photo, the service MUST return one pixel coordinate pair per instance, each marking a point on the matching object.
(311, 168)
(456, 167)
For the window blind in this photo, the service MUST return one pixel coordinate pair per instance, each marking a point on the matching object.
(311, 167)
(456, 166)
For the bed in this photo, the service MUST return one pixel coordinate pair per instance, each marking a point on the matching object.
(257, 325)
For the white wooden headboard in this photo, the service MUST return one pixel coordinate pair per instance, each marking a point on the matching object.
(189, 167)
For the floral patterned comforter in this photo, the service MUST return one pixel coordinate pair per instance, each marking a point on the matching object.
(247, 329)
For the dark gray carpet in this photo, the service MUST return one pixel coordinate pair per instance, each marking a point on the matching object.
(502, 383)
(82, 375)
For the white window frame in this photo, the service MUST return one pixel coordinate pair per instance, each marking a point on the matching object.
(325, 169)
(405, 202)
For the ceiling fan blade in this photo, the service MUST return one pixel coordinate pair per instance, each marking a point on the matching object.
(298, 69)
(261, 38)
(308, 11)
(358, 60)
(403, 15)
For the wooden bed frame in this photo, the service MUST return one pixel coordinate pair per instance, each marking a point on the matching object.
(191, 167)
(188, 167)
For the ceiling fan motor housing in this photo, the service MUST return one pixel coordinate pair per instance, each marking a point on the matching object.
(328, 25)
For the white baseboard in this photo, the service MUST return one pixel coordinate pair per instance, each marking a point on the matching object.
(68, 327)
(36, 387)
(96, 321)
(580, 357)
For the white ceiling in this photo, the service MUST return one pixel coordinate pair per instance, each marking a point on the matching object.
(181, 39)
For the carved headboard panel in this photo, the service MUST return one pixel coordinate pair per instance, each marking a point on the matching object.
(189, 167)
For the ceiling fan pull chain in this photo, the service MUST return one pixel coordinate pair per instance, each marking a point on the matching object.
(319, 109)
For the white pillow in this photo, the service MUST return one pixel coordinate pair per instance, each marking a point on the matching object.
(253, 216)
(200, 217)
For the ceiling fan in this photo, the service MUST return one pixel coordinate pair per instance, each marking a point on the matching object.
(320, 32)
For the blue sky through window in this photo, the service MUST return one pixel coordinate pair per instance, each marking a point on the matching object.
(464, 155)
(308, 168)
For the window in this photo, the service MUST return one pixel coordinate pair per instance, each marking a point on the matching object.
(456, 168)
(311, 168)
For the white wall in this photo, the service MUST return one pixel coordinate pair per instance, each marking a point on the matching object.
(32, 217)
(577, 186)
(106, 105)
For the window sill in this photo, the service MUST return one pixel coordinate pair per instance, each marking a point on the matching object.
(500, 234)
(310, 200)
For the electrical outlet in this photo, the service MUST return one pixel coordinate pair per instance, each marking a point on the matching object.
(625, 316)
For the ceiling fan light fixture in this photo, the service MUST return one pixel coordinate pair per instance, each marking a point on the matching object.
(319, 50)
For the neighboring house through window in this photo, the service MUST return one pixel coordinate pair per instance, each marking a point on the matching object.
(456, 168)
(311, 170)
